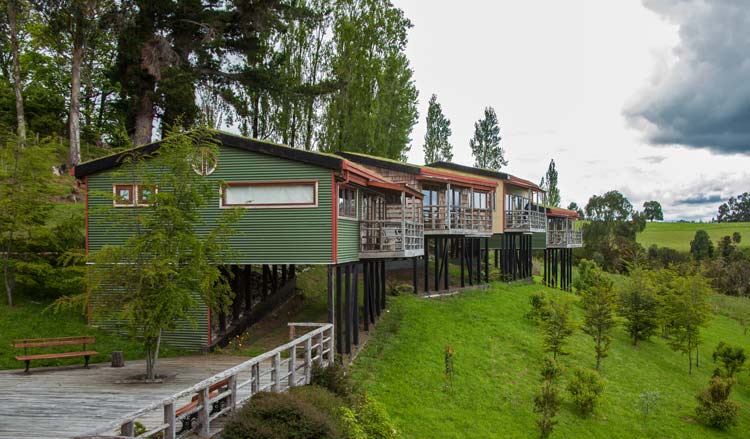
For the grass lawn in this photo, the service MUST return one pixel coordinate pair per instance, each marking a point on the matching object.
(27, 319)
(679, 235)
(497, 356)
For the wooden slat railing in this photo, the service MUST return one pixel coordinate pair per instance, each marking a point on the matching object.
(564, 238)
(461, 218)
(314, 345)
(525, 220)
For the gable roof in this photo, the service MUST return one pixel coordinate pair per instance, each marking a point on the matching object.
(381, 162)
(230, 140)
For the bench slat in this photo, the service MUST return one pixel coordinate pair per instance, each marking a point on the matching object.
(40, 344)
(56, 355)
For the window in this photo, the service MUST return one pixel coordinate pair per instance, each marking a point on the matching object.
(123, 195)
(145, 194)
(271, 194)
(132, 195)
(430, 196)
(203, 161)
(347, 202)
(480, 200)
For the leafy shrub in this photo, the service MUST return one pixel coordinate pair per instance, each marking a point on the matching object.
(585, 389)
(374, 420)
(281, 416)
(539, 307)
(332, 378)
(714, 407)
(731, 359)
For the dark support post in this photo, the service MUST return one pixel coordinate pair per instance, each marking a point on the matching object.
(355, 303)
(462, 244)
(283, 274)
(337, 306)
(275, 278)
(414, 274)
(479, 260)
(470, 265)
(426, 260)
(348, 307)
(247, 288)
(445, 263)
(487, 260)
(437, 263)
(382, 283)
(376, 290)
(330, 294)
(292, 271)
(366, 296)
(264, 284)
(497, 261)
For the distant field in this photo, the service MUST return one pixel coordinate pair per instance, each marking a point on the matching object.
(679, 235)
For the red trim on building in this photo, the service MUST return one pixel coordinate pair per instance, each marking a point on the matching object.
(474, 182)
(515, 181)
(335, 218)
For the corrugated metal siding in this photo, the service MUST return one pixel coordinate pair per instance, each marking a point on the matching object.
(348, 235)
(264, 235)
(190, 334)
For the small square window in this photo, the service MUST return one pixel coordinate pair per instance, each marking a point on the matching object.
(347, 202)
(146, 194)
(123, 194)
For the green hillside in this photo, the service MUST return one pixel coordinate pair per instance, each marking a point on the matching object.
(679, 235)
(497, 356)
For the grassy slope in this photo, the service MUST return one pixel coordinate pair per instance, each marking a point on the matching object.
(497, 354)
(27, 320)
(679, 235)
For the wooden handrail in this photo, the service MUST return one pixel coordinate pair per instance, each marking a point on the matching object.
(325, 345)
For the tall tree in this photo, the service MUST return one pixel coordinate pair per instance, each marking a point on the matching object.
(736, 209)
(25, 192)
(574, 207)
(701, 247)
(375, 110)
(485, 145)
(639, 307)
(688, 310)
(599, 305)
(70, 28)
(652, 211)
(550, 180)
(15, 9)
(437, 147)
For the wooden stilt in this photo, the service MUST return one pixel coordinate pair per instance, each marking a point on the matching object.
(337, 306)
(366, 295)
(382, 283)
(355, 304)
(414, 274)
(462, 244)
(426, 259)
(348, 308)
(330, 294)
(487, 260)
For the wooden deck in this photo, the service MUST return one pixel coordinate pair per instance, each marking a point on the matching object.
(69, 401)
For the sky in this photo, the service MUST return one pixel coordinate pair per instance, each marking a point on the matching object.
(650, 98)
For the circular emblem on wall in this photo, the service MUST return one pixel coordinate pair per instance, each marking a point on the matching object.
(203, 161)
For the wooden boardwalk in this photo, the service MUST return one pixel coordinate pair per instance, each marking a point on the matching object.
(69, 401)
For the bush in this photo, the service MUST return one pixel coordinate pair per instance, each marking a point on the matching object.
(648, 401)
(714, 407)
(333, 378)
(281, 416)
(539, 307)
(374, 420)
(585, 389)
(731, 358)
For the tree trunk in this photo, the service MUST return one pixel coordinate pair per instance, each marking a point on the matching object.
(20, 116)
(144, 120)
(155, 362)
(256, 110)
(8, 277)
(74, 116)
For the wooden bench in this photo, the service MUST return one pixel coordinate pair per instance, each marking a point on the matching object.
(27, 344)
(213, 391)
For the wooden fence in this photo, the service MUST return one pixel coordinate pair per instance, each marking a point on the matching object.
(266, 372)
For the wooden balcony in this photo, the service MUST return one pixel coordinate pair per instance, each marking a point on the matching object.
(390, 239)
(525, 221)
(564, 239)
(459, 221)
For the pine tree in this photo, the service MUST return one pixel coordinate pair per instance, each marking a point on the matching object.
(485, 145)
(550, 181)
(639, 306)
(688, 310)
(436, 144)
(558, 325)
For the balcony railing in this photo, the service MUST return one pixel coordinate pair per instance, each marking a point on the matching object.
(525, 221)
(564, 238)
(392, 238)
(462, 219)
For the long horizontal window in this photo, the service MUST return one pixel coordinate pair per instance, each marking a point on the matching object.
(271, 194)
